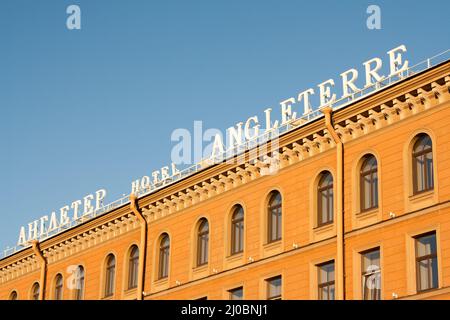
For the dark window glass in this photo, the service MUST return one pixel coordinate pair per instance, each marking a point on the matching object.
(237, 230)
(110, 275)
(371, 274)
(325, 199)
(422, 165)
(202, 242)
(274, 217)
(59, 287)
(133, 267)
(369, 183)
(426, 262)
(35, 291)
(237, 293)
(13, 295)
(164, 252)
(274, 288)
(79, 284)
(326, 281)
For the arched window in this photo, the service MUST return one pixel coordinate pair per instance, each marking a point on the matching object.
(422, 164)
(274, 217)
(59, 287)
(35, 291)
(202, 242)
(164, 253)
(237, 230)
(325, 203)
(110, 275)
(133, 267)
(13, 295)
(368, 184)
(79, 283)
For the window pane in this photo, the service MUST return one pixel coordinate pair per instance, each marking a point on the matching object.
(236, 294)
(274, 288)
(426, 245)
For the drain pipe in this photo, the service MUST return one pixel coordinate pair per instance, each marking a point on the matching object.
(340, 278)
(143, 245)
(43, 262)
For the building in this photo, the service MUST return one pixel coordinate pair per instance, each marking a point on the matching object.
(359, 208)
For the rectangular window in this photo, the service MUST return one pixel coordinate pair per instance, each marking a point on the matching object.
(426, 261)
(274, 288)
(326, 281)
(236, 293)
(371, 274)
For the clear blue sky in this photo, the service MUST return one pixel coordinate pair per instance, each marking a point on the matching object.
(94, 108)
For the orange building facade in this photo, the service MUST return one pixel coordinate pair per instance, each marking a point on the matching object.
(357, 208)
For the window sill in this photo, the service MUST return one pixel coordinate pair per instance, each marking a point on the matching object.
(323, 228)
(273, 244)
(421, 196)
(234, 257)
(367, 213)
(131, 290)
(162, 281)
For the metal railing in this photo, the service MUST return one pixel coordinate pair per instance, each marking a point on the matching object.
(247, 145)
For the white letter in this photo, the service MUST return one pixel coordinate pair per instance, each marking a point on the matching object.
(396, 61)
(32, 230)
(286, 110)
(155, 176)
(145, 183)
(135, 186)
(373, 73)
(88, 208)
(164, 173)
(218, 145)
(305, 96)
(268, 122)
(63, 218)
(235, 135)
(42, 225)
(53, 222)
(74, 20)
(174, 170)
(22, 238)
(349, 83)
(325, 92)
(99, 195)
(75, 205)
(255, 129)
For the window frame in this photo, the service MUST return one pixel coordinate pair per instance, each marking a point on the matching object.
(268, 282)
(80, 282)
(277, 211)
(163, 257)
(231, 291)
(373, 184)
(418, 259)
(365, 274)
(133, 267)
(320, 189)
(414, 158)
(110, 276)
(59, 287)
(35, 291)
(202, 243)
(237, 223)
(328, 284)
